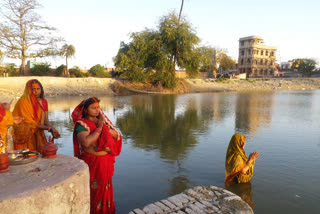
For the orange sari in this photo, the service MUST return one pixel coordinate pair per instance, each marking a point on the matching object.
(27, 135)
(6, 120)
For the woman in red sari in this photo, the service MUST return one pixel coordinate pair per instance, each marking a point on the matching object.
(97, 142)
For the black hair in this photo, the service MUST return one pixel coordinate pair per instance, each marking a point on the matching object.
(86, 104)
(38, 82)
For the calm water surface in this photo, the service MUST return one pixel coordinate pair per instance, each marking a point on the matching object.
(171, 143)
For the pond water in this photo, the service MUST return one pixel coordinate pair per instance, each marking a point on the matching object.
(175, 142)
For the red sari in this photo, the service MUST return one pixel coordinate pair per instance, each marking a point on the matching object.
(101, 167)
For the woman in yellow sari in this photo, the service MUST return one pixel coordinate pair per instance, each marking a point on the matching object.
(6, 120)
(239, 168)
(34, 108)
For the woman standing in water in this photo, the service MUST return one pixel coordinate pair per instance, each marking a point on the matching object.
(33, 107)
(97, 142)
(239, 168)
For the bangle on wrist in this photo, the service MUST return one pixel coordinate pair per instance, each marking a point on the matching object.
(98, 130)
(50, 129)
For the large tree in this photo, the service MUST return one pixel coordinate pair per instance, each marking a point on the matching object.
(154, 54)
(23, 34)
(304, 65)
(68, 51)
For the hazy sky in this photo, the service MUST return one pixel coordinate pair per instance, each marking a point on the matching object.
(97, 27)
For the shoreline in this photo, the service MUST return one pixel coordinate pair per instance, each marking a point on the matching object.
(12, 87)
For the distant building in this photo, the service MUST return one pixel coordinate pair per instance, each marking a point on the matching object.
(255, 58)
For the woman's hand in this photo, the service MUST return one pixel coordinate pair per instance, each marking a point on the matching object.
(113, 133)
(18, 120)
(254, 155)
(55, 133)
(101, 121)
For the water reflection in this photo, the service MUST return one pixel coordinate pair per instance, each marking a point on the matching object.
(244, 190)
(177, 142)
(253, 111)
(152, 124)
(179, 184)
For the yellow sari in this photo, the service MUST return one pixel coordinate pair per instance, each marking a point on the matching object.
(6, 120)
(236, 160)
(27, 135)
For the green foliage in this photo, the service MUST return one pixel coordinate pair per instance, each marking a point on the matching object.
(226, 62)
(152, 55)
(249, 80)
(222, 79)
(60, 70)
(207, 58)
(98, 71)
(42, 69)
(76, 72)
(12, 71)
(304, 65)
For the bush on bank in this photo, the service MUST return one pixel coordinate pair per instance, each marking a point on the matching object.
(76, 72)
(59, 71)
(12, 71)
(42, 69)
(98, 71)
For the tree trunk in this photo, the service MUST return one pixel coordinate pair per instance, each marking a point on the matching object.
(181, 10)
(23, 64)
(67, 73)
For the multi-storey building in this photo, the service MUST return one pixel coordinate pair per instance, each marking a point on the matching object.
(255, 58)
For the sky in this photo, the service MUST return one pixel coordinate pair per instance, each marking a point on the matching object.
(96, 27)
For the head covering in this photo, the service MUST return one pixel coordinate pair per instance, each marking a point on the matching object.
(77, 114)
(77, 117)
(28, 103)
(235, 157)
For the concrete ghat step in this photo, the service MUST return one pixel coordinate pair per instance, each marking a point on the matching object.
(198, 200)
(46, 186)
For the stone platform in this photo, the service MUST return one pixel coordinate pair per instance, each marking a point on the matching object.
(199, 200)
(48, 186)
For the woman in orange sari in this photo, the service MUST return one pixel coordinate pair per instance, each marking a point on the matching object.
(6, 120)
(34, 108)
(97, 142)
(239, 168)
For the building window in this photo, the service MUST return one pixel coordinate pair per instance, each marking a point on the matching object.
(272, 53)
(261, 62)
(266, 62)
(242, 43)
(242, 53)
(261, 53)
(249, 51)
(267, 53)
(248, 61)
(241, 61)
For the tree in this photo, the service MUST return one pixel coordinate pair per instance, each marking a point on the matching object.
(225, 62)
(153, 54)
(68, 51)
(179, 43)
(304, 65)
(23, 34)
(207, 58)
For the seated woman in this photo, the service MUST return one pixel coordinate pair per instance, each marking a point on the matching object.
(97, 142)
(239, 168)
(34, 108)
(6, 120)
